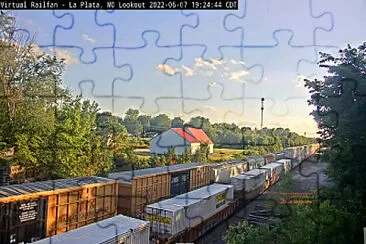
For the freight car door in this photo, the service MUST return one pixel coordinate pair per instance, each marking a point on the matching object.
(179, 183)
(24, 221)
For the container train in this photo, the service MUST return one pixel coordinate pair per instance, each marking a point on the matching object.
(244, 179)
(33, 211)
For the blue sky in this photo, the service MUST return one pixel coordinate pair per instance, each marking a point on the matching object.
(216, 64)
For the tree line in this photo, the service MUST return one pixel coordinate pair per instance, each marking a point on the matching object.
(222, 134)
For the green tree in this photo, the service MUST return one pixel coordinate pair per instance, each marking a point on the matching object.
(145, 122)
(177, 122)
(131, 122)
(160, 123)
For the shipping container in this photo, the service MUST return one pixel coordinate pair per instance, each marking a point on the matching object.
(275, 170)
(56, 206)
(268, 158)
(175, 215)
(255, 162)
(280, 155)
(141, 187)
(250, 184)
(115, 230)
(287, 165)
(222, 173)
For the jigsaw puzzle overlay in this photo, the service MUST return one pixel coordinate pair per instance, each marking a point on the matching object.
(194, 60)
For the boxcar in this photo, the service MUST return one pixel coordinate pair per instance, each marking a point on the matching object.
(115, 230)
(40, 209)
(141, 187)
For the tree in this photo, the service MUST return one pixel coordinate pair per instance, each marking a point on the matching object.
(341, 116)
(145, 122)
(177, 122)
(131, 123)
(160, 123)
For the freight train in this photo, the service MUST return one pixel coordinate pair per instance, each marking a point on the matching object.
(180, 203)
(186, 217)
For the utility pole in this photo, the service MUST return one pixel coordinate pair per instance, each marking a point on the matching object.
(262, 108)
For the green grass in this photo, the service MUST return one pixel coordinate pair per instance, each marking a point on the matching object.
(224, 154)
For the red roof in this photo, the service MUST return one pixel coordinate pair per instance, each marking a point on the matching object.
(193, 135)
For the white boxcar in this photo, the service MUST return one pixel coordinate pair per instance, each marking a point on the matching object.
(255, 162)
(250, 180)
(174, 215)
(118, 229)
(287, 165)
(222, 173)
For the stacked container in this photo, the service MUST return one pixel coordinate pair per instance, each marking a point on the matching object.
(222, 173)
(255, 162)
(287, 165)
(173, 216)
(250, 184)
(268, 158)
(274, 170)
(118, 229)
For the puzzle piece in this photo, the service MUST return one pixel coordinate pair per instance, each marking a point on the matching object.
(261, 29)
(159, 83)
(82, 33)
(211, 27)
(355, 10)
(280, 78)
(135, 23)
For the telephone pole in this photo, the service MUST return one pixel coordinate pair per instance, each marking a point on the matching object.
(262, 108)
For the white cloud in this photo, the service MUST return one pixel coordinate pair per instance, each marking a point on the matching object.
(167, 69)
(88, 38)
(64, 54)
(237, 62)
(188, 71)
(210, 107)
(236, 76)
(217, 62)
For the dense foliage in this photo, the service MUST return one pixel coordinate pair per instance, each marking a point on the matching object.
(338, 216)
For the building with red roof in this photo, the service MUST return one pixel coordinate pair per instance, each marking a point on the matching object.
(187, 139)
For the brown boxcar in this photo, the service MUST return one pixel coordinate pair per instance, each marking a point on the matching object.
(40, 209)
(140, 187)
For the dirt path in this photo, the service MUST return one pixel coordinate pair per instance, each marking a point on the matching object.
(306, 177)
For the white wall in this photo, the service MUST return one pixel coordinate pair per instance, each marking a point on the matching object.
(196, 146)
(161, 143)
(211, 148)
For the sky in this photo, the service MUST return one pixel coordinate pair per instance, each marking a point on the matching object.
(216, 63)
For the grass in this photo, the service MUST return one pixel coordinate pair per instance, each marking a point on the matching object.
(223, 154)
